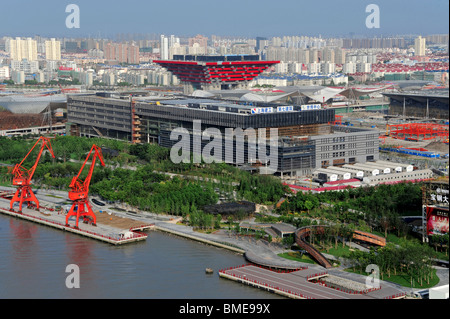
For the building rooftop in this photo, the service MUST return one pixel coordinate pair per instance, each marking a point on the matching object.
(229, 107)
(284, 228)
(216, 58)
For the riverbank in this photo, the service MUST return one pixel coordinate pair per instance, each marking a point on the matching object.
(256, 251)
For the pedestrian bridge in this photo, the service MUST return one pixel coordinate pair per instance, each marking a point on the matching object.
(301, 234)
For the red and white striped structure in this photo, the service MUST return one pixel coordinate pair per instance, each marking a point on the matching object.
(221, 72)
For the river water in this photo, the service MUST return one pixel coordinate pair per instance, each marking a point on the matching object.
(33, 261)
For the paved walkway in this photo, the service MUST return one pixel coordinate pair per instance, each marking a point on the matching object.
(296, 284)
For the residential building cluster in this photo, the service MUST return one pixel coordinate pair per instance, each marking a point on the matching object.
(303, 60)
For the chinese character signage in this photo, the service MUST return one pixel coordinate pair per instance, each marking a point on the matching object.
(259, 110)
(439, 196)
(288, 108)
(310, 107)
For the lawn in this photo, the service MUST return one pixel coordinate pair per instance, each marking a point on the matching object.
(297, 256)
(337, 252)
(404, 279)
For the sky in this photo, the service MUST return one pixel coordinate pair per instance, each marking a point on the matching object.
(246, 18)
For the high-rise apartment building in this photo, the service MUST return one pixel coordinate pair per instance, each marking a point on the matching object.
(328, 55)
(20, 49)
(133, 54)
(437, 38)
(367, 43)
(200, 40)
(339, 56)
(52, 50)
(164, 48)
(176, 49)
(261, 43)
(173, 40)
(349, 68)
(313, 56)
(122, 52)
(419, 46)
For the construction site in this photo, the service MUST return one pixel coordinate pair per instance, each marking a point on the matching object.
(403, 131)
(51, 119)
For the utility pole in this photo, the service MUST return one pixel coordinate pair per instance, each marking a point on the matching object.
(404, 106)
(50, 117)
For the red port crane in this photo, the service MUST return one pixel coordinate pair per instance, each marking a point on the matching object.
(79, 190)
(22, 176)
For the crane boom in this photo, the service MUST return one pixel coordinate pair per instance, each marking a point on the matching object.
(79, 190)
(22, 176)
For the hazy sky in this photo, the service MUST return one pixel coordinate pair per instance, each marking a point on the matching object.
(248, 18)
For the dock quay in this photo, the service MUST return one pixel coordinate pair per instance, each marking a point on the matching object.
(303, 283)
(105, 230)
(199, 239)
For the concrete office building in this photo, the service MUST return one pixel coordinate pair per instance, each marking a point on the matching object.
(346, 146)
(25, 66)
(305, 139)
(18, 77)
(4, 72)
(87, 77)
(109, 78)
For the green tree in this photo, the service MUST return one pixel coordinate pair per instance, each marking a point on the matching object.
(217, 221)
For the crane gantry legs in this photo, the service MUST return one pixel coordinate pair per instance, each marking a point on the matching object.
(23, 194)
(81, 208)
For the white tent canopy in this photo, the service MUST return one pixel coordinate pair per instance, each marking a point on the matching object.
(323, 94)
(201, 93)
(263, 98)
(357, 92)
(316, 93)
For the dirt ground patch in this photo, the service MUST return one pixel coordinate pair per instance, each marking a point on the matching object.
(117, 221)
(10, 120)
(434, 146)
(437, 147)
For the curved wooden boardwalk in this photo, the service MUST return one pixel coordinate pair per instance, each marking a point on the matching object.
(301, 234)
(370, 238)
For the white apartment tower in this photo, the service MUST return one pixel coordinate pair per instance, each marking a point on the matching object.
(52, 50)
(419, 46)
(164, 48)
(20, 49)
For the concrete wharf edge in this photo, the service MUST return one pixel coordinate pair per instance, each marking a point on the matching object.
(261, 286)
(305, 288)
(203, 240)
(73, 230)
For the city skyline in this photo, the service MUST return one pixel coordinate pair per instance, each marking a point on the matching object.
(248, 18)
